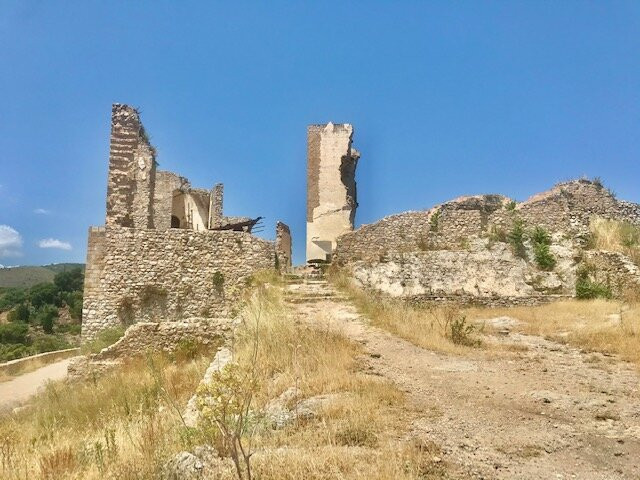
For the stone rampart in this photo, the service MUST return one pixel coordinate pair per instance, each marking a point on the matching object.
(139, 275)
(566, 208)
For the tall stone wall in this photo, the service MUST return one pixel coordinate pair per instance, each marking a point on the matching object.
(283, 246)
(131, 181)
(331, 187)
(152, 275)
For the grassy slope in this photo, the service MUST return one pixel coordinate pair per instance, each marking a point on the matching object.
(30, 275)
(126, 426)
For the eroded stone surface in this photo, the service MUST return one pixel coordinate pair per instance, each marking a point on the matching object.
(331, 187)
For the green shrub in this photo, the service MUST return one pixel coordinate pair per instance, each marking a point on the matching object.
(44, 294)
(69, 280)
(20, 314)
(14, 351)
(540, 236)
(434, 221)
(541, 241)
(49, 343)
(516, 238)
(511, 206)
(46, 317)
(70, 328)
(544, 258)
(12, 297)
(106, 337)
(587, 289)
(461, 331)
(14, 333)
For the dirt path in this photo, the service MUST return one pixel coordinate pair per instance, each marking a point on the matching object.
(547, 411)
(13, 392)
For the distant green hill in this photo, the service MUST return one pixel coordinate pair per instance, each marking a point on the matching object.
(28, 276)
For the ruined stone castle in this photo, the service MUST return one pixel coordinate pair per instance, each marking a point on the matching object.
(459, 251)
(166, 251)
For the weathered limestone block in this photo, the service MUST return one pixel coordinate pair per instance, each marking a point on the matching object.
(331, 187)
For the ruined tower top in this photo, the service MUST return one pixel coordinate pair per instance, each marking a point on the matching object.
(331, 187)
(131, 171)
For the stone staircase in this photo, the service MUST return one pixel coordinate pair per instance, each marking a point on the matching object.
(303, 289)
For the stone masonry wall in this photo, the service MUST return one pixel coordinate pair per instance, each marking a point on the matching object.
(131, 180)
(331, 187)
(215, 210)
(614, 270)
(152, 275)
(567, 208)
(166, 184)
(283, 246)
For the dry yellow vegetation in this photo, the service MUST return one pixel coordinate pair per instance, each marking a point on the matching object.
(605, 326)
(128, 424)
(442, 328)
(616, 236)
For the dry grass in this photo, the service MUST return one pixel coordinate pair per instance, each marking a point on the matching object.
(616, 236)
(126, 425)
(427, 327)
(121, 426)
(590, 324)
(353, 436)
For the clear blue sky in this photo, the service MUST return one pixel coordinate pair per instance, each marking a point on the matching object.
(447, 98)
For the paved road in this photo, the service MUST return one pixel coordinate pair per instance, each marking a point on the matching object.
(13, 392)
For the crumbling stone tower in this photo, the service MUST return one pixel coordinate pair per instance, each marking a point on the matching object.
(132, 171)
(166, 252)
(331, 187)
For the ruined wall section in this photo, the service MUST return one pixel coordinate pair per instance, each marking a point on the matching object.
(570, 206)
(460, 250)
(445, 227)
(566, 208)
(132, 170)
(331, 187)
(615, 270)
(283, 246)
(216, 218)
(157, 276)
(94, 267)
(167, 183)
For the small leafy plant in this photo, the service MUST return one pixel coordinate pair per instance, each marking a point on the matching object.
(516, 238)
(541, 242)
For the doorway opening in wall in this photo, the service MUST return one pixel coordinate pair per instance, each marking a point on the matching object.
(126, 313)
(175, 222)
